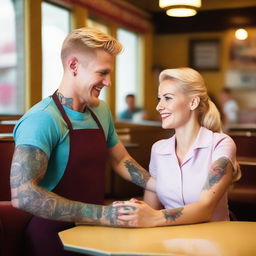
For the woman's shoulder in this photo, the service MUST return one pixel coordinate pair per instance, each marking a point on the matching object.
(222, 139)
(164, 146)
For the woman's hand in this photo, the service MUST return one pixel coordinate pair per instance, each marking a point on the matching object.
(136, 213)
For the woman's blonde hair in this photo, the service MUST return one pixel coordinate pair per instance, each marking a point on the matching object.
(84, 38)
(192, 84)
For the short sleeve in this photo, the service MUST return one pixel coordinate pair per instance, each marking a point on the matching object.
(152, 163)
(38, 129)
(225, 147)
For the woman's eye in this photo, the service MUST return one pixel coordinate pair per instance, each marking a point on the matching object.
(168, 98)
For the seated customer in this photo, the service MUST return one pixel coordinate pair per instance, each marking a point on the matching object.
(132, 112)
(195, 167)
(229, 106)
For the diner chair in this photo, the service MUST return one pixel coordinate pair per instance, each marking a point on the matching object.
(13, 224)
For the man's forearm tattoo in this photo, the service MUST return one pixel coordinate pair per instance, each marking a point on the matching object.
(65, 101)
(172, 214)
(110, 213)
(218, 170)
(139, 176)
(93, 212)
(28, 167)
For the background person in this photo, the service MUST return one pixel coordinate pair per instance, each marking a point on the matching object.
(62, 144)
(229, 106)
(132, 112)
(195, 167)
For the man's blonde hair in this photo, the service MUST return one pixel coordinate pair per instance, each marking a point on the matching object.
(82, 38)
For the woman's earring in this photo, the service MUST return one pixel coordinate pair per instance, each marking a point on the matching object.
(74, 74)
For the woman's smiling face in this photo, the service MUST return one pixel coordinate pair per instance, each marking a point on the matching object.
(173, 105)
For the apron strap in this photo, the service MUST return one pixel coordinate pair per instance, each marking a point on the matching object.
(65, 117)
(95, 119)
(62, 111)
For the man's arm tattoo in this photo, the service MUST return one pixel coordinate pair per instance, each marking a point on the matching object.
(28, 167)
(172, 214)
(139, 176)
(218, 170)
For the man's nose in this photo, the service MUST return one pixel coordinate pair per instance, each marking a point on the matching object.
(107, 81)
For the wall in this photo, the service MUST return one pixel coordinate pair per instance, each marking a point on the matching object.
(172, 50)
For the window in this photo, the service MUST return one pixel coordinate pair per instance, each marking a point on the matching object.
(127, 68)
(102, 27)
(55, 27)
(11, 61)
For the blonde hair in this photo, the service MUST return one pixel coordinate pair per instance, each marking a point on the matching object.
(85, 38)
(192, 84)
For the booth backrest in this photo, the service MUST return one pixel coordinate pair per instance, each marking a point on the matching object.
(6, 153)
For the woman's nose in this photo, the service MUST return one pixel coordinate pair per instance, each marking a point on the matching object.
(159, 106)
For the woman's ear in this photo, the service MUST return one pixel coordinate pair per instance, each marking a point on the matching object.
(194, 103)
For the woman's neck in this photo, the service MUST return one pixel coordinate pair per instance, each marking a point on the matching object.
(185, 137)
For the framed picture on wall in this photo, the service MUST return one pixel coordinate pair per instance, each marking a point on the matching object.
(204, 54)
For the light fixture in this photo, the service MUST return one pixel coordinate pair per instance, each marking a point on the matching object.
(180, 8)
(241, 34)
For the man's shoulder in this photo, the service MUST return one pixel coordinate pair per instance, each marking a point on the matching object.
(42, 113)
(44, 108)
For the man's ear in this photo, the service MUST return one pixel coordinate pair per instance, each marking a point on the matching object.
(194, 103)
(73, 64)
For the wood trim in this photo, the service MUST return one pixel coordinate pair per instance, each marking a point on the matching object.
(247, 160)
(33, 52)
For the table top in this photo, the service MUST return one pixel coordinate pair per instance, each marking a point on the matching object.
(208, 239)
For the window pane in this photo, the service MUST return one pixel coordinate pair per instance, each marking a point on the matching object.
(55, 27)
(126, 68)
(11, 58)
(102, 27)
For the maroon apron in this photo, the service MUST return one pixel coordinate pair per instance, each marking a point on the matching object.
(83, 180)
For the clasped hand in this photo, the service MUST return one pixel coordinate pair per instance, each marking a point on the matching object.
(136, 213)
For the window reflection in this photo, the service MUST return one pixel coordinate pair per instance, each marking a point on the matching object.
(55, 27)
(11, 98)
(127, 68)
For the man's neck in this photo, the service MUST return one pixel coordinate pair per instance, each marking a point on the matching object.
(68, 102)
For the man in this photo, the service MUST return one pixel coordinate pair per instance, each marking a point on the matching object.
(229, 106)
(62, 145)
(132, 110)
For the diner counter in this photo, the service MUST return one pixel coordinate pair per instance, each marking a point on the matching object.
(206, 239)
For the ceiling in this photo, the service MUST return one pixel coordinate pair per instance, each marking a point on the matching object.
(153, 6)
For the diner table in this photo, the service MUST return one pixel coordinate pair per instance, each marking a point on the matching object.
(226, 238)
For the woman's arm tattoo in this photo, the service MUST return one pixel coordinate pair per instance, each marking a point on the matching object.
(172, 214)
(139, 176)
(218, 170)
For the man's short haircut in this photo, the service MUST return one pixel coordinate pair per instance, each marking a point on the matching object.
(226, 90)
(85, 38)
(130, 96)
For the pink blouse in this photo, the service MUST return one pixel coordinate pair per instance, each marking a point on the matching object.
(178, 185)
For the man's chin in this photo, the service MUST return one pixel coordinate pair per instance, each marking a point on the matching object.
(94, 103)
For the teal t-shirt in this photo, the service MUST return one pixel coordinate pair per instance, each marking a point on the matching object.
(43, 126)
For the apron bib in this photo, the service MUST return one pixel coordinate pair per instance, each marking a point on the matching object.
(83, 180)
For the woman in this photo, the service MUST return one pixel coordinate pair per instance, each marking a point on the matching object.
(195, 167)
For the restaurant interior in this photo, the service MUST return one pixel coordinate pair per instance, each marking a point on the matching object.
(30, 70)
